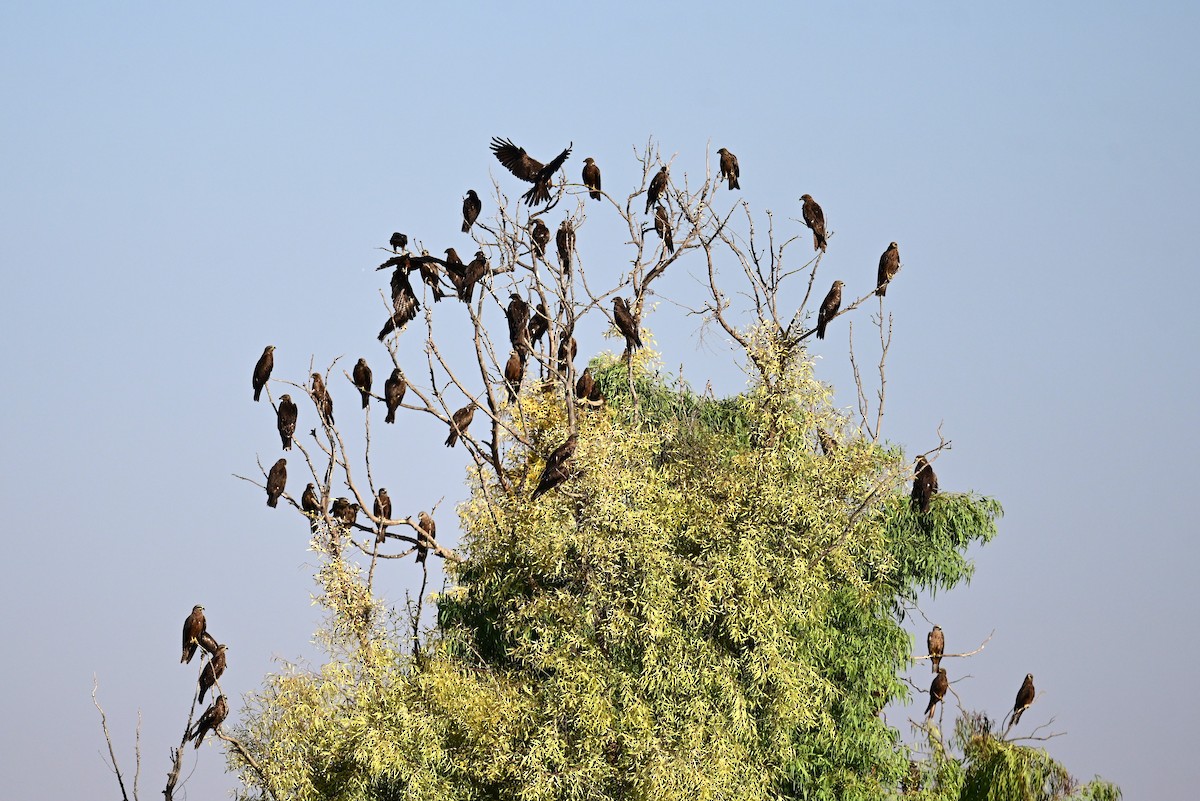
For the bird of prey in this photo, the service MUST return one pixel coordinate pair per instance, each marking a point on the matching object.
(362, 380)
(285, 420)
(658, 187)
(212, 671)
(456, 270)
(398, 242)
(558, 467)
(889, 265)
(539, 323)
(520, 164)
(193, 627)
(591, 177)
(383, 510)
(540, 235)
(208, 642)
(829, 308)
(627, 324)
(428, 265)
(427, 533)
(459, 422)
(311, 505)
(393, 393)
(276, 481)
(729, 169)
(466, 277)
(404, 307)
(262, 370)
(518, 323)
(587, 389)
(514, 371)
(937, 691)
(828, 443)
(936, 641)
(925, 485)
(472, 205)
(662, 227)
(1025, 697)
(567, 349)
(321, 399)
(565, 239)
(814, 218)
(341, 512)
(211, 720)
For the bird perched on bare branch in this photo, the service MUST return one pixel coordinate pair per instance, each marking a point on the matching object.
(520, 164)
(729, 169)
(382, 510)
(459, 422)
(936, 641)
(404, 305)
(398, 242)
(558, 467)
(344, 512)
(393, 393)
(889, 265)
(310, 504)
(627, 324)
(208, 642)
(212, 671)
(362, 380)
(427, 534)
(591, 177)
(539, 235)
(514, 371)
(321, 399)
(1025, 697)
(662, 227)
(276, 481)
(539, 323)
(829, 308)
(472, 274)
(285, 420)
(428, 266)
(472, 205)
(518, 323)
(565, 240)
(658, 187)
(814, 218)
(937, 691)
(193, 626)
(567, 350)
(210, 720)
(925, 485)
(262, 370)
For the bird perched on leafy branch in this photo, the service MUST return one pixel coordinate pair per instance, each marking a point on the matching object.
(925, 485)
(936, 641)
(627, 324)
(558, 467)
(937, 691)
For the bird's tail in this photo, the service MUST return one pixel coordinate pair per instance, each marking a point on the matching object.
(366, 396)
(257, 393)
(594, 194)
(391, 416)
(272, 502)
(466, 227)
(937, 661)
(882, 291)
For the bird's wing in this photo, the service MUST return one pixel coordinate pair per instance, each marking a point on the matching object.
(518, 162)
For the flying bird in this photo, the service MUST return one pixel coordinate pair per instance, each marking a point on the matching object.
(285, 420)
(1025, 697)
(212, 671)
(321, 399)
(262, 370)
(889, 265)
(937, 691)
(814, 218)
(565, 239)
(539, 323)
(729, 169)
(591, 177)
(404, 307)
(276, 481)
(383, 510)
(193, 626)
(517, 314)
(398, 242)
(558, 467)
(658, 187)
(459, 422)
(514, 371)
(520, 164)
(936, 641)
(627, 324)
(925, 485)
(210, 720)
(540, 235)
(472, 205)
(829, 308)
(662, 227)
(393, 393)
(427, 532)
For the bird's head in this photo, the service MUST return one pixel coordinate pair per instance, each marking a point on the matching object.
(937, 628)
(893, 246)
(285, 399)
(589, 160)
(838, 284)
(806, 198)
(269, 348)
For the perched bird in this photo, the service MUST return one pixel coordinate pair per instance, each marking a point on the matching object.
(539, 324)
(193, 626)
(382, 510)
(393, 393)
(472, 275)
(829, 308)
(472, 205)
(321, 399)
(208, 642)
(362, 380)
(310, 504)
(342, 511)
(658, 187)
(518, 323)
(937, 691)
(591, 177)
(567, 349)
(565, 239)
(627, 324)
(587, 389)
(540, 236)
(456, 270)
(210, 720)
(828, 443)
(262, 370)
(514, 371)
(212, 671)
(520, 164)
(889, 265)
(729, 168)
(398, 242)
(285, 420)
(814, 218)
(404, 306)
(1025, 697)
(925, 485)
(936, 641)
(558, 467)
(428, 267)
(459, 422)
(427, 533)
(662, 227)
(276, 481)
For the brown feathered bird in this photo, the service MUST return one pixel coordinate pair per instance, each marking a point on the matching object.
(362, 380)
(193, 626)
(937, 691)
(658, 187)
(427, 533)
(285, 420)
(459, 422)
(428, 266)
(514, 371)
(828, 443)
(889, 265)
(310, 504)
(587, 389)
(472, 205)
(382, 510)
(393, 394)
(729, 169)
(539, 324)
(208, 642)
(936, 641)
(829, 308)
(343, 512)
(1025, 697)
(539, 234)
(404, 306)
(662, 227)
(591, 177)
(276, 482)
(472, 275)
(210, 720)
(520, 164)
(262, 370)
(517, 314)
(925, 485)
(567, 349)
(398, 242)
(627, 324)
(321, 399)
(212, 671)
(565, 240)
(558, 467)
(814, 218)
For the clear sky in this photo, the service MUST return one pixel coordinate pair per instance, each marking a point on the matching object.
(182, 185)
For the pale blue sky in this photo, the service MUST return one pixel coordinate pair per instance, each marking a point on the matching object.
(181, 186)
